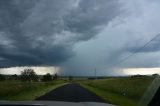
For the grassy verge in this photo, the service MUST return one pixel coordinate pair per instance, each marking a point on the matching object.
(110, 97)
(10, 90)
(119, 91)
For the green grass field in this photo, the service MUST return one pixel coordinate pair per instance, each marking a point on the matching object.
(119, 91)
(124, 91)
(16, 90)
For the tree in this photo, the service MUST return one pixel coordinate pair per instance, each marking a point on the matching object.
(47, 77)
(55, 76)
(28, 75)
(2, 77)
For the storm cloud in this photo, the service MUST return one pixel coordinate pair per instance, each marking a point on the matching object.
(78, 36)
(113, 49)
(37, 32)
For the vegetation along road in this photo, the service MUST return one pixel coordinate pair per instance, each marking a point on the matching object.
(121, 91)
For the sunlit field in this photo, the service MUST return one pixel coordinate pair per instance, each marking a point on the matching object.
(125, 91)
(17, 90)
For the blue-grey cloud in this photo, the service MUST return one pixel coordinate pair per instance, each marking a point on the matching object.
(37, 32)
(151, 45)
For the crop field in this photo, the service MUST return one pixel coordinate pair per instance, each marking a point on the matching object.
(125, 91)
(16, 90)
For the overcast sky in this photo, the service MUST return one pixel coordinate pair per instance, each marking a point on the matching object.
(78, 36)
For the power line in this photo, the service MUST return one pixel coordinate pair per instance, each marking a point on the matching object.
(138, 50)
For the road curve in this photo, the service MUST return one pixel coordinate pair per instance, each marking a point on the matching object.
(71, 93)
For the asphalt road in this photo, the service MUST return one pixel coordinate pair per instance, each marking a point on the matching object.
(71, 93)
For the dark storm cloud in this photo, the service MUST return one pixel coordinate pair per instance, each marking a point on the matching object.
(43, 32)
(90, 16)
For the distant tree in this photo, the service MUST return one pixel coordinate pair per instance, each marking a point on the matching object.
(70, 78)
(15, 77)
(2, 77)
(137, 76)
(155, 75)
(28, 75)
(47, 77)
(55, 76)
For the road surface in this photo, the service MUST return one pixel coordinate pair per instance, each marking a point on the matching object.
(71, 93)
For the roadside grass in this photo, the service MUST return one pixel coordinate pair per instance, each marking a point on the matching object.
(16, 90)
(110, 97)
(119, 91)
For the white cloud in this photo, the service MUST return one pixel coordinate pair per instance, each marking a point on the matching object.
(141, 71)
(38, 70)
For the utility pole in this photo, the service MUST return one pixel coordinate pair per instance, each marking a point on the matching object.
(95, 73)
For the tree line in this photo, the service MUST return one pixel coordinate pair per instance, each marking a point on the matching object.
(29, 75)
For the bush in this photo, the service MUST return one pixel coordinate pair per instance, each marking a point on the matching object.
(2, 77)
(14, 77)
